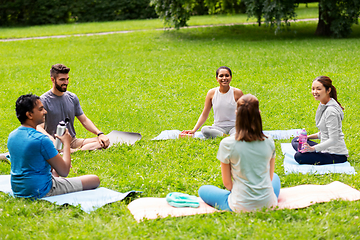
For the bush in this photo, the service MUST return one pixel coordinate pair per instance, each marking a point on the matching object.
(108, 10)
(34, 12)
(38, 12)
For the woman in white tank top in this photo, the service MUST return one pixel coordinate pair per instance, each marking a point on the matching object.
(223, 100)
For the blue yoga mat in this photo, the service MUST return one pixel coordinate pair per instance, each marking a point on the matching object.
(291, 166)
(89, 200)
(275, 134)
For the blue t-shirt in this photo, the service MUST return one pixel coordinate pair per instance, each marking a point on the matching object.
(30, 172)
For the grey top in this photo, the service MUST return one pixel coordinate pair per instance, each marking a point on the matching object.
(250, 170)
(328, 120)
(58, 109)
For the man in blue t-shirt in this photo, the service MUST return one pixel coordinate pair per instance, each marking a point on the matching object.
(33, 155)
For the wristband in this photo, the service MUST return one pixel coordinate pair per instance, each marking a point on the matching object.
(100, 133)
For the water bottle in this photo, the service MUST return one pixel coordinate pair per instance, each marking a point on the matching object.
(60, 130)
(302, 139)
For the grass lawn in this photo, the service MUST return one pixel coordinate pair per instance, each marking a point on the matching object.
(151, 81)
(50, 30)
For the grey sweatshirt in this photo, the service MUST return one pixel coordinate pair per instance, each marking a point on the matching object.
(328, 120)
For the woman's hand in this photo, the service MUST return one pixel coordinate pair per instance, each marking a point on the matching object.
(188, 132)
(307, 148)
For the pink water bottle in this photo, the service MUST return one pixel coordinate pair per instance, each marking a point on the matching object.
(302, 139)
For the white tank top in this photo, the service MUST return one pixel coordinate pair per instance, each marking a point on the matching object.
(224, 106)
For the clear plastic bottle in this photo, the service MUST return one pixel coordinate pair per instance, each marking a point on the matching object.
(60, 130)
(302, 139)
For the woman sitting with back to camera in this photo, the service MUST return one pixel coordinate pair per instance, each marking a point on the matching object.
(223, 99)
(332, 148)
(247, 164)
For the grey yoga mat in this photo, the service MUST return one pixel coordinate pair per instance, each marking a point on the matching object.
(118, 137)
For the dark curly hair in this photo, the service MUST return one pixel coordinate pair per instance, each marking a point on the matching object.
(24, 104)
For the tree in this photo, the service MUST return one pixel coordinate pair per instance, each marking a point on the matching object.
(336, 17)
(175, 13)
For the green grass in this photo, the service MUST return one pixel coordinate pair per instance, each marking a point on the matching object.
(67, 29)
(151, 81)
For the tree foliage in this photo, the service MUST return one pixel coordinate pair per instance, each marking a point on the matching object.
(335, 16)
(175, 13)
(224, 6)
(276, 13)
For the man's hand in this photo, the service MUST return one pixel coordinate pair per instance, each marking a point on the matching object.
(66, 138)
(103, 140)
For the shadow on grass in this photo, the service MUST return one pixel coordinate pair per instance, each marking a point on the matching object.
(297, 31)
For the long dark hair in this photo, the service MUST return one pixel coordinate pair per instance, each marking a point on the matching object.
(248, 120)
(327, 83)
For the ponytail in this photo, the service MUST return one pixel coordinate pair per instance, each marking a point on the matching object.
(333, 95)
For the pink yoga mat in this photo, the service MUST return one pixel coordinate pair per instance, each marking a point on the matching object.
(294, 197)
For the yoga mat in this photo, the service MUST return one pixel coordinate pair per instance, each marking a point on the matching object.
(88, 200)
(174, 134)
(115, 137)
(291, 166)
(152, 208)
(282, 134)
(118, 137)
(275, 134)
(292, 198)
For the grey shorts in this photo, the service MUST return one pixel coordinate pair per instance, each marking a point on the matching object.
(64, 185)
(216, 131)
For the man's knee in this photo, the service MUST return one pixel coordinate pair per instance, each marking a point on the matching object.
(91, 144)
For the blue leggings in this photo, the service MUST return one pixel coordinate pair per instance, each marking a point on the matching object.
(218, 198)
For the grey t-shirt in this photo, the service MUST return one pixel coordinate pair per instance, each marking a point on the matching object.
(250, 170)
(58, 109)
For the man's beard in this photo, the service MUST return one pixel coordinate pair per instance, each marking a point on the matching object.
(58, 87)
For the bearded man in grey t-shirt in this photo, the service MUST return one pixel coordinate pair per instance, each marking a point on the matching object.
(60, 105)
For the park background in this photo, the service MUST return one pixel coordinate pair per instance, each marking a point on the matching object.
(152, 80)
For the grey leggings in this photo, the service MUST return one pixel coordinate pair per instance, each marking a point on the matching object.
(215, 131)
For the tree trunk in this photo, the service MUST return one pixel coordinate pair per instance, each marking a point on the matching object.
(323, 27)
(259, 20)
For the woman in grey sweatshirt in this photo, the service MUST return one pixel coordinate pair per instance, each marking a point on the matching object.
(329, 115)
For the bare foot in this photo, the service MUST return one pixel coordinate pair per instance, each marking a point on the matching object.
(4, 158)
